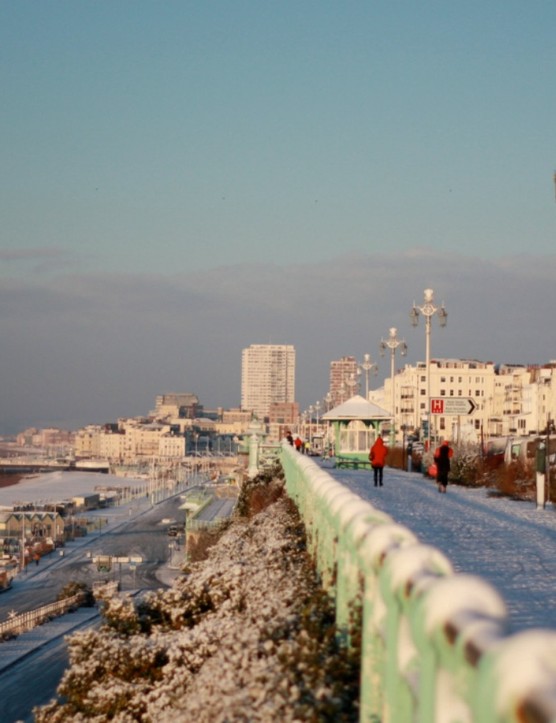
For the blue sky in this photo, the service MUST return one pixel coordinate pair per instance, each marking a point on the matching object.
(200, 145)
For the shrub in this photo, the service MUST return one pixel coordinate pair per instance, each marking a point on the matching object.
(72, 588)
(263, 490)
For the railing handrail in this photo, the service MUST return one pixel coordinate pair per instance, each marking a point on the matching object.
(435, 643)
(31, 618)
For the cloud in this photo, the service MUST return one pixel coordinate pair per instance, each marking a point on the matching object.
(42, 259)
(90, 348)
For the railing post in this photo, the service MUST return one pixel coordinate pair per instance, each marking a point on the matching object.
(253, 468)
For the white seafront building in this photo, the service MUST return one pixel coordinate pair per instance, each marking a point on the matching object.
(506, 399)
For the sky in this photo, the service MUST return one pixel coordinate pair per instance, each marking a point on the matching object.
(180, 180)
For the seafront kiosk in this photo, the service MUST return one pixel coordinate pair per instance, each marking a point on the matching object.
(355, 425)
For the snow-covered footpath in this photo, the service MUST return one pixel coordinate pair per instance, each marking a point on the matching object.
(509, 543)
(245, 635)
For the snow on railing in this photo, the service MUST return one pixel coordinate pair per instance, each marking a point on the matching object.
(435, 647)
(30, 619)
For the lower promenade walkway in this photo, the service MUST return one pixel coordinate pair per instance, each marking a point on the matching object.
(510, 544)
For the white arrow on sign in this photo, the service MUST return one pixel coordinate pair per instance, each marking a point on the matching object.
(453, 406)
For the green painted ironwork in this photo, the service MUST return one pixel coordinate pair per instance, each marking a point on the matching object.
(435, 646)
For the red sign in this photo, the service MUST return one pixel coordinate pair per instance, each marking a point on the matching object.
(437, 406)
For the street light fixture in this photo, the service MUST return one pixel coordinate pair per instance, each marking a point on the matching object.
(367, 365)
(393, 343)
(428, 310)
(352, 383)
(317, 410)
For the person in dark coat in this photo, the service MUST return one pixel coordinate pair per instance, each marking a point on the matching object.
(377, 457)
(442, 457)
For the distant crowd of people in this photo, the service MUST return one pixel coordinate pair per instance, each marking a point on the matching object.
(301, 446)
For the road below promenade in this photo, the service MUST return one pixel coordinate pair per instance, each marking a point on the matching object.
(31, 665)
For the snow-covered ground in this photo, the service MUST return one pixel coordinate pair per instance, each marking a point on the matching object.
(56, 486)
(511, 544)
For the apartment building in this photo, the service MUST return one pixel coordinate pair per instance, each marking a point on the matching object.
(343, 380)
(505, 400)
(267, 377)
(177, 404)
(448, 379)
(87, 442)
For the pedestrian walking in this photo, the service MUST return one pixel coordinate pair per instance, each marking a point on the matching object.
(442, 456)
(377, 457)
(298, 444)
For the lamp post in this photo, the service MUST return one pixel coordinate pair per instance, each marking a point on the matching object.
(343, 387)
(317, 410)
(352, 384)
(367, 365)
(428, 310)
(393, 343)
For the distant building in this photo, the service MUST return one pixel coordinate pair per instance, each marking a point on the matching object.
(50, 437)
(180, 404)
(343, 373)
(267, 377)
(231, 416)
(282, 417)
(284, 413)
(87, 442)
(32, 523)
(498, 400)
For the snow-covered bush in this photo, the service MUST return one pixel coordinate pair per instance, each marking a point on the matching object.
(247, 634)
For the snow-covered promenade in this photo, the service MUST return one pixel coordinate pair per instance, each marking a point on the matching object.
(508, 543)
(511, 544)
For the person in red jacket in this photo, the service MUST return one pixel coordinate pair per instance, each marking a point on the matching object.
(442, 458)
(377, 456)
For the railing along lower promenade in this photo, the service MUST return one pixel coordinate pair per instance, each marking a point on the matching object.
(435, 646)
(30, 619)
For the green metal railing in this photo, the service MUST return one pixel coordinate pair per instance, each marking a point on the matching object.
(434, 644)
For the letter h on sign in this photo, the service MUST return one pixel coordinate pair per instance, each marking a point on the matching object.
(437, 406)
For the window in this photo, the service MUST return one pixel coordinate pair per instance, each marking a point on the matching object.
(356, 437)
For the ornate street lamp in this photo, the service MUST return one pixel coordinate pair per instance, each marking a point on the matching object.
(428, 310)
(367, 365)
(317, 410)
(393, 343)
(352, 383)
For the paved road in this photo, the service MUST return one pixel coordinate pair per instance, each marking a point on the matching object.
(40, 655)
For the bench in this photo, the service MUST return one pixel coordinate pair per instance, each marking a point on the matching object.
(351, 463)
